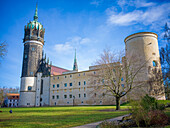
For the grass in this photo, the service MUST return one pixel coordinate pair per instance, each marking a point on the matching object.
(159, 101)
(58, 117)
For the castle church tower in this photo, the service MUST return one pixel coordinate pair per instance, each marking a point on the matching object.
(75, 66)
(33, 46)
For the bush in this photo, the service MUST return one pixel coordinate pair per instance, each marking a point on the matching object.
(143, 109)
(158, 118)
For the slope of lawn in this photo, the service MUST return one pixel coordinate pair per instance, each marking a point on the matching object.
(58, 117)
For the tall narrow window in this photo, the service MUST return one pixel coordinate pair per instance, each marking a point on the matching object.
(65, 84)
(53, 85)
(84, 82)
(79, 83)
(154, 63)
(58, 85)
(25, 56)
(79, 95)
(53, 97)
(70, 84)
(57, 96)
(65, 96)
(71, 96)
(41, 87)
(84, 94)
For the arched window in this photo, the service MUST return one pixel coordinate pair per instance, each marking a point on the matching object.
(154, 63)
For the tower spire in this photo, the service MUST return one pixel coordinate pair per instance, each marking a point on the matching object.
(36, 13)
(75, 67)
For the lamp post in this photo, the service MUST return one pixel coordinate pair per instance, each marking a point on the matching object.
(73, 100)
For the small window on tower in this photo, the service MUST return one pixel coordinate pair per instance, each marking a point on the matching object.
(29, 88)
(31, 73)
(25, 56)
(154, 63)
(33, 49)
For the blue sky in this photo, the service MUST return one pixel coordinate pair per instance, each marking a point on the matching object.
(87, 25)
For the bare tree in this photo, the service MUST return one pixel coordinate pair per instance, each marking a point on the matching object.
(3, 92)
(116, 75)
(165, 61)
(3, 49)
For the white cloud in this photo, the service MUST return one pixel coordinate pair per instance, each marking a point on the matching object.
(134, 3)
(146, 17)
(96, 2)
(63, 47)
(73, 43)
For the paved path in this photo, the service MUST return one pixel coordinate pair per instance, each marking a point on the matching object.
(93, 125)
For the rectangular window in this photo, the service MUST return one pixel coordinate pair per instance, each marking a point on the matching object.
(65, 76)
(123, 85)
(70, 84)
(29, 88)
(94, 72)
(79, 83)
(65, 84)
(65, 96)
(70, 76)
(53, 85)
(79, 95)
(79, 74)
(84, 94)
(122, 79)
(41, 91)
(71, 96)
(65, 90)
(57, 96)
(84, 73)
(28, 103)
(53, 97)
(84, 82)
(58, 77)
(58, 85)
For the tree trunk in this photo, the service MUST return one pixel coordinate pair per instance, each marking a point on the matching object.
(117, 103)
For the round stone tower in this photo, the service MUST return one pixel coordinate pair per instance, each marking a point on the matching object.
(142, 49)
(33, 45)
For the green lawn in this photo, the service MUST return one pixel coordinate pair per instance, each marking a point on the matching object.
(58, 117)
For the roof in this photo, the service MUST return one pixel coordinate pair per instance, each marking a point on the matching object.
(139, 34)
(13, 95)
(57, 70)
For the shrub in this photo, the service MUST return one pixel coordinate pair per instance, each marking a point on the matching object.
(142, 110)
(158, 118)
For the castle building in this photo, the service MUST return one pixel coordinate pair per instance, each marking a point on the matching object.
(43, 84)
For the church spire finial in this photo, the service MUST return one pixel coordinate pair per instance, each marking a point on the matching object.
(75, 67)
(36, 13)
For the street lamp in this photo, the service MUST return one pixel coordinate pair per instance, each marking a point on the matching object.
(73, 100)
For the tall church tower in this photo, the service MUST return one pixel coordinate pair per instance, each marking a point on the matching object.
(75, 66)
(32, 57)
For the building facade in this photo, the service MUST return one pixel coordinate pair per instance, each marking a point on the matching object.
(11, 100)
(43, 84)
